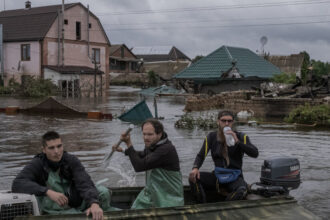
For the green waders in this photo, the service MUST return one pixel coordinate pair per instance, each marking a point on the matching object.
(54, 182)
(163, 189)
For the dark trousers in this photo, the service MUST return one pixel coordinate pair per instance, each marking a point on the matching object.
(208, 182)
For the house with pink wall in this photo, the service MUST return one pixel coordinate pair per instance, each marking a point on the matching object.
(75, 59)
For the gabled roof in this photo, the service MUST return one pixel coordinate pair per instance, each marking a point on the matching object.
(28, 24)
(115, 47)
(159, 53)
(32, 24)
(221, 61)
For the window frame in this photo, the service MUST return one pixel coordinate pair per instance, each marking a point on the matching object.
(78, 30)
(94, 58)
(25, 52)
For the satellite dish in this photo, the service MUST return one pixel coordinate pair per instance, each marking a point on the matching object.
(263, 40)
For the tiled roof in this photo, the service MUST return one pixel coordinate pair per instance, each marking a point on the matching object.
(159, 53)
(73, 69)
(29, 24)
(220, 61)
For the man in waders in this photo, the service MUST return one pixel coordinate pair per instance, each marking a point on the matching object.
(161, 162)
(227, 178)
(60, 182)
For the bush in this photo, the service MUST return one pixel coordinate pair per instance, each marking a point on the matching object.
(152, 77)
(287, 78)
(310, 114)
(32, 87)
(37, 87)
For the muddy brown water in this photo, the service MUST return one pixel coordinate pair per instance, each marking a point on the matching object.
(90, 140)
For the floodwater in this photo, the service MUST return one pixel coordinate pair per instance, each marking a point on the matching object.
(90, 140)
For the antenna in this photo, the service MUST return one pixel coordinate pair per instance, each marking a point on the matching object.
(263, 41)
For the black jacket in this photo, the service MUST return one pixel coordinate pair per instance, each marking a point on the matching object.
(161, 155)
(32, 179)
(235, 153)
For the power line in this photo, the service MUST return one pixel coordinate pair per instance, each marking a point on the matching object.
(273, 4)
(217, 20)
(220, 26)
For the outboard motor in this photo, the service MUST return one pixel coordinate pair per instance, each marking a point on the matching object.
(278, 176)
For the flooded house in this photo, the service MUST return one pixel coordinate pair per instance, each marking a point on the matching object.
(165, 61)
(123, 60)
(226, 69)
(64, 43)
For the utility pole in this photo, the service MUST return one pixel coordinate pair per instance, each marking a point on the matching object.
(95, 70)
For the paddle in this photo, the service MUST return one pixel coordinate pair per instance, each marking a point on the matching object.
(108, 157)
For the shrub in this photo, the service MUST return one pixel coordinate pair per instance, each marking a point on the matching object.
(152, 77)
(287, 78)
(37, 87)
(310, 114)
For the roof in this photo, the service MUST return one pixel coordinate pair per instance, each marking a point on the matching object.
(31, 24)
(115, 47)
(288, 64)
(221, 61)
(73, 69)
(159, 53)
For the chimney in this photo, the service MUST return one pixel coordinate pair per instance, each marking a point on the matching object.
(27, 5)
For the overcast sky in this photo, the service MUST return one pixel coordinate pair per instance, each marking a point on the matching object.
(198, 27)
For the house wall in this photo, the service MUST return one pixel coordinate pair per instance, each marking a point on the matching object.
(12, 58)
(231, 85)
(166, 69)
(86, 82)
(76, 51)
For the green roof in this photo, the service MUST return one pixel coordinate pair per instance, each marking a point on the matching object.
(220, 61)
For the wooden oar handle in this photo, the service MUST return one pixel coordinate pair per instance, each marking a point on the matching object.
(126, 133)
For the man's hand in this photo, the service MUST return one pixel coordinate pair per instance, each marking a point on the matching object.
(117, 148)
(127, 139)
(194, 174)
(97, 212)
(57, 197)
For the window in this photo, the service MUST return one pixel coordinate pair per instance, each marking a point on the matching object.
(113, 64)
(89, 25)
(25, 52)
(134, 66)
(66, 21)
(78, 30)
(96, 55)
(122, 52)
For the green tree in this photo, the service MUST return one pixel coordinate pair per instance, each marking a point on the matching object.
(198, 57)
(152, 78)
(304, 68)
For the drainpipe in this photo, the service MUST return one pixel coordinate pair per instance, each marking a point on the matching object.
(58, 37)
(62, 32)
(88, 31)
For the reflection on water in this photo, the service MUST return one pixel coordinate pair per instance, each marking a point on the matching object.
(90, 140)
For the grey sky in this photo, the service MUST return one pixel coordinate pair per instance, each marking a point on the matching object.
(198, 27)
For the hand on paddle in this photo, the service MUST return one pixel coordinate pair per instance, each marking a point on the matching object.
(194, 174)
(125, 137)
(96, 211)
(57, 197)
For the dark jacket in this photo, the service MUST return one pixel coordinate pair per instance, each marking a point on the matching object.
(161, 155)
(32, 179)
(235, 153)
